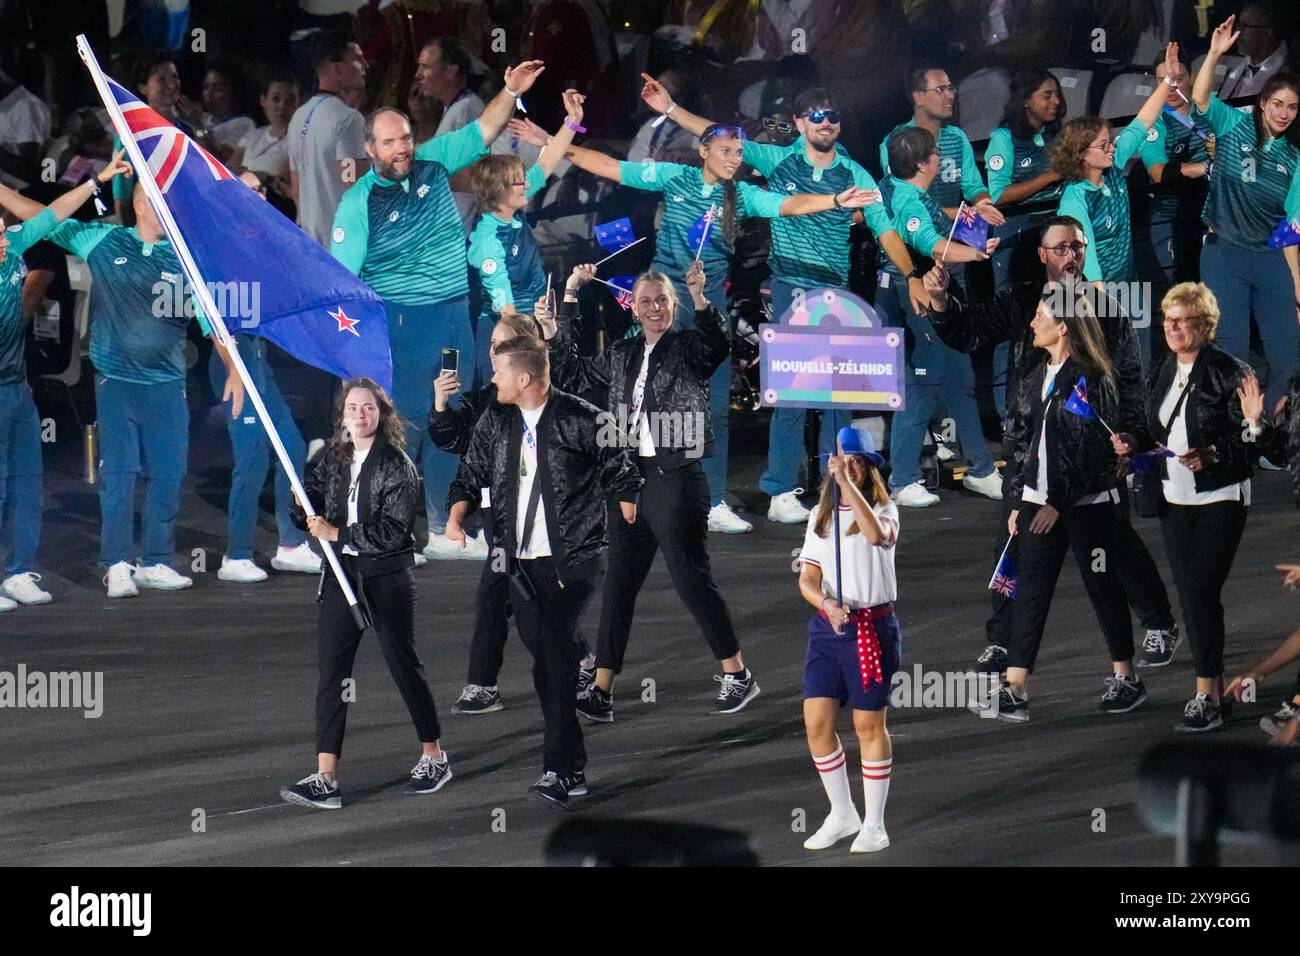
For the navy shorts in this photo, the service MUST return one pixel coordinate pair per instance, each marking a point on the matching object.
(831, 667)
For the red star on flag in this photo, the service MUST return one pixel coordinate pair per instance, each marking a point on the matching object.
(345, 324)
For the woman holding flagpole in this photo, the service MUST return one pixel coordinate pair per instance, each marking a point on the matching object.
(364, 491)
(702, 208)
(1065, 498)
(1205, 415)
(854, 641)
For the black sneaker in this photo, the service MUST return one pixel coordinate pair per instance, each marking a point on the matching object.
(1158, 647)
(429, 775)
(551, 788)
(736, 691)
(1123, 694)
(596, 705)
(1200, 714)
(575, 783)
(1272, 725)
(993, 660)
(1006, 704)
(478, 700)
(314, 791)
(586, 673)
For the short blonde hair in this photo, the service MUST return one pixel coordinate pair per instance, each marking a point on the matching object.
(1199, 302)
(670, 290)
(492, 178)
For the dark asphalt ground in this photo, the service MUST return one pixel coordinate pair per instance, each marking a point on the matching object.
(209, 693)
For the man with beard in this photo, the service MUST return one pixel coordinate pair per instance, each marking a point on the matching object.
(399, 230)
(1006, 317)
(807, 252)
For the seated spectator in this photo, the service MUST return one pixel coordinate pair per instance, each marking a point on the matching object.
(24, 127)
(1262, 45)
(265, 149)
(667, 142)
(224, 118)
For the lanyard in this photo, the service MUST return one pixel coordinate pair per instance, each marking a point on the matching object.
(532, 445)
(306, 123)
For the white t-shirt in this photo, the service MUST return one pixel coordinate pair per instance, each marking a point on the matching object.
(463, 110)
(323, 132)
(1180, 486)
(263, 153)
(867, 571)
(228, 132)
(646, 445)
(354, 489)
(24, 118)
(540, 545)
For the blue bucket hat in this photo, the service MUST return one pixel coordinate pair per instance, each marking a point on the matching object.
(855, 442)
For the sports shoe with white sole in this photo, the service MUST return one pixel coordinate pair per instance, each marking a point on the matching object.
(161, 578)
(1273, 724)
(1158, 647)
(476, 548)
(240, 571)
(420, 560)
(722, 519)
(442, 548)
(120, 581)
(23, 589)
(869, 841)
(990, 486)
(475, 699)
(7, 605)
(314, 791)
(736, 691)
(430, 775)
(832, 831)
(786, 508)
(299, 560)
(915, 496)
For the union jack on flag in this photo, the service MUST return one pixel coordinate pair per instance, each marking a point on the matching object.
(1005, 574)
(971, 228)
(309, 303)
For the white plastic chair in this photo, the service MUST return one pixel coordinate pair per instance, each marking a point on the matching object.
(982, 99)
(1075, 85)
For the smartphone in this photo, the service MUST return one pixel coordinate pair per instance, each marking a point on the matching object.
(451, 360)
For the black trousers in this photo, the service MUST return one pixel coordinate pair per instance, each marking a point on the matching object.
(1143, 587)
(391, 599)
(1084, 530)
(673, 517)
(492, 628)
(547, 626)
(1202, 542)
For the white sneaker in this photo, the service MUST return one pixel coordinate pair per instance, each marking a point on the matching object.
(420, 560)
(161, 578)
(476, 548)
(119, 581)
(786, 508)
(301, 559)
(869, 841)
(7, 605)
(915, 496)
(23, 589)
(1268, 465)
(723, 519)
(239, 571)
(990, 486)
(832, 831)
(442, 548)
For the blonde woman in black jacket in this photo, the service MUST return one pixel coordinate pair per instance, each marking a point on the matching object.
(1206, 407)
(1064, 497)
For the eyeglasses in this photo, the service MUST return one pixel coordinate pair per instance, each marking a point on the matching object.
(1065, 248)
(1188, 322)
(777, 126)
(946, 88)
(520, 185)
(1106, 147)
(730, 132)
(822, 116)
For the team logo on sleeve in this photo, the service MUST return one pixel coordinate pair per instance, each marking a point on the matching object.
(489, 267)
(338, 234)
(1153, 134)
(913, 224)
(996, 163)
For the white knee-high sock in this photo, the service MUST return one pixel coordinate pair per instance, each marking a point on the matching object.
(875, 790)
(835, 778)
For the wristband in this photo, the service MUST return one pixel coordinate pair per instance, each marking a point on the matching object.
(916, 274)
(835, 200)
(576, 127)
(100, 208)
(663, 116)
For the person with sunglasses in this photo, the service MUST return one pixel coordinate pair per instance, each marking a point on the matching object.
(505, 267)
(934, 98)
(1007, 317)
(1253, 187)
(1091, 161)
(808, 252)
(702, 209)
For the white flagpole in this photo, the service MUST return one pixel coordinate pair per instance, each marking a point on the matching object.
(624, 249)
(704, 237)
(199, 289)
